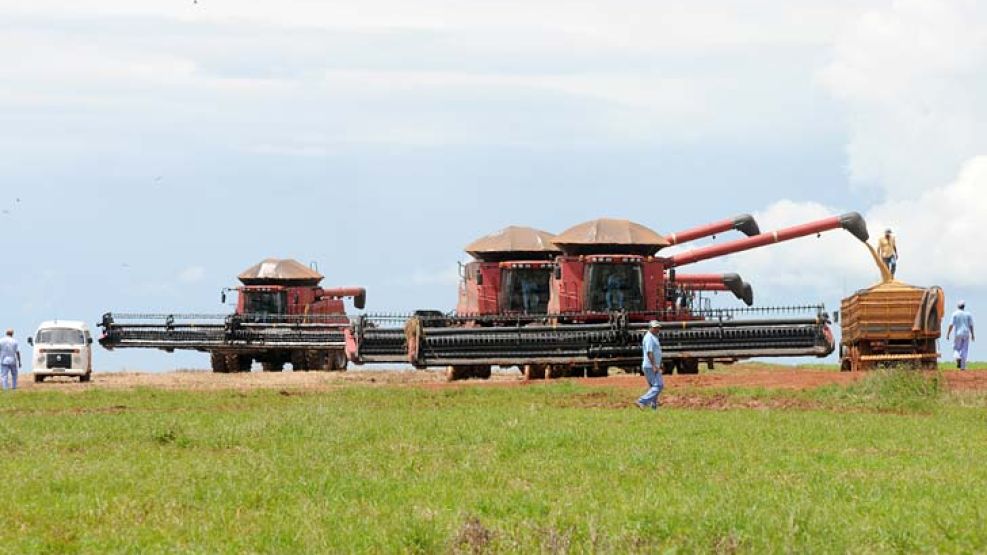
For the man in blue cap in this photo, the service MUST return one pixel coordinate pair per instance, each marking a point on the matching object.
(651, 365)
(962, 323)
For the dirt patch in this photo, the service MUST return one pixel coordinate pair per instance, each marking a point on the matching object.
(716, 401)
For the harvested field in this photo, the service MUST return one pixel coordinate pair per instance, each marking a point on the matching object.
(739, 376)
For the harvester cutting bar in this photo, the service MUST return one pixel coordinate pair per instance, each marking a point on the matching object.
(210, 332)
(446, 341)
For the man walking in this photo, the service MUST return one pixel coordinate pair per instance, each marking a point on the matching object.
(651, 365)
(962, 324)
(887, 247)
(10, 360)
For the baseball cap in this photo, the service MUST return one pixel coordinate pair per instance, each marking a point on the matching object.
(654, 324)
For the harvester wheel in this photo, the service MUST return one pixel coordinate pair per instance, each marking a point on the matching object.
(482, 371)
(688, 366)
(274, 366)
(317, 360)
(238, 363)
(556, 371)
(668, 366)
(340, 360)
(298, 361)
(456, 373)
(534, 371)
(218, 362)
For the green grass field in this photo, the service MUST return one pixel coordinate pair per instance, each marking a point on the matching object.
(889, 464)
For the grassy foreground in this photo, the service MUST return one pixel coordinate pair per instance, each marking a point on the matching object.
(545, 468)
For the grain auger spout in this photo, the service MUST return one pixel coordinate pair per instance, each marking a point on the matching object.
(852, 222)
(715, 282)
(743, 223)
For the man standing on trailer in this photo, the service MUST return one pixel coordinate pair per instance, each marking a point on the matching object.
(651, 365)
(962, 323)
(10, 360)
(887, 247)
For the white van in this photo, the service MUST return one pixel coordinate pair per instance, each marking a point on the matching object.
(62, 348)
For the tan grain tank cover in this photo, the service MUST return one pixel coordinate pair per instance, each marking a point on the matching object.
(279, 270)
(513, 239)
(607, 231)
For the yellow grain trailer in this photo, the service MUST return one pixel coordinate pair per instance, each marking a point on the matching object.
(892, 323)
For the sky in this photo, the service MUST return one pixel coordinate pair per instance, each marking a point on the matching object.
(153, 150)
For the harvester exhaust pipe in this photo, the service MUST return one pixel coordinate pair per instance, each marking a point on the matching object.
(743, 223)
(853, 222)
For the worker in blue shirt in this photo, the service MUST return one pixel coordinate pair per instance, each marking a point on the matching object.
(651, 365)
(10, 360)
(962, 324)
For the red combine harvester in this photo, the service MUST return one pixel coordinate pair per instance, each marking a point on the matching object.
(512, 269)
(604, 286)
(282, 316)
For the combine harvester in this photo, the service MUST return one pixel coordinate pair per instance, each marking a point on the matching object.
(282, 316)
(579, 303)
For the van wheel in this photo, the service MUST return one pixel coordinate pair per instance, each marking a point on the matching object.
(84, 378)
(38, 379)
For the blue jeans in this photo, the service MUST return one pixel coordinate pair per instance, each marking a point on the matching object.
(8, 371)
(656, 383)
(892, 264)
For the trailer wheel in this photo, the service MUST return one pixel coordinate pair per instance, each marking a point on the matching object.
(218, 362)
(298, 361)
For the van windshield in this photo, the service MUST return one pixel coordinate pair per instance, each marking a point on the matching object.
(60, 336)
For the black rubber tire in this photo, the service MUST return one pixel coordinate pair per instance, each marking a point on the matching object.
(668, 366)
(85, 378)
(272, 366)
(482, 371)
(316, 360)
(534, 371)
(298, 361)
(341, 361)
(218, 362)
(38, 379)
(688, 366)
(456, 373)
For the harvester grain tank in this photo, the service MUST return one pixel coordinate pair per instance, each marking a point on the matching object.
(282, 316)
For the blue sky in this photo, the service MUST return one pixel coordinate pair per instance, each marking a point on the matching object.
(158, 149)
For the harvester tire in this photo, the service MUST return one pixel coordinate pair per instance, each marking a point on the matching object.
(218, 362)
(456, 373)
(338, 361)
(482, 371)
(317, 360)
(534, 372)
(298, 362)
(238, 363)
(668, 366)
(272, 366)
(688, 366)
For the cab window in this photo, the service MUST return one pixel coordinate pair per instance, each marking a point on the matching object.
(614, 287)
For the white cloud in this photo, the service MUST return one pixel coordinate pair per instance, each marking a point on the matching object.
(913, 78)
